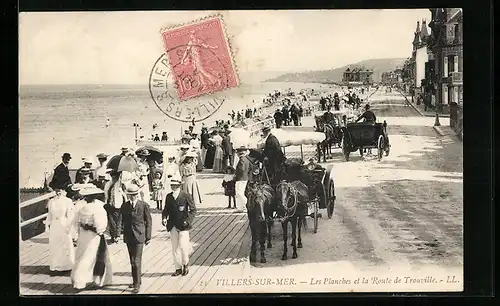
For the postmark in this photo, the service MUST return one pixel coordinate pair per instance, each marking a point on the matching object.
(188, 80)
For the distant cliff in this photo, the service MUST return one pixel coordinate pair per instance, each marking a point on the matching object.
(335, 75)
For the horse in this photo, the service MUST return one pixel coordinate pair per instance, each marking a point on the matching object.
(331, 135)
(259, 206)
(292, 207)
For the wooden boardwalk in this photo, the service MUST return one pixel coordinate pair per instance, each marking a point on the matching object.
(219, 236)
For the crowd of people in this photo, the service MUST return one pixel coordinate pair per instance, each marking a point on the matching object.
(119, 195)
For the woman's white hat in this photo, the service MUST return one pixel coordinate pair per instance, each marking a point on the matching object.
(90, 191)
(87, 160)
(191, 154)
(185, 146)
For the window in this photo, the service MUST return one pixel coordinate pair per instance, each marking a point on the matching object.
(445, 93)
(456, 34)
(455, 94)
(455, 63)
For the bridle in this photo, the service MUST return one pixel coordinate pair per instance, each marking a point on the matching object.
(292, 209)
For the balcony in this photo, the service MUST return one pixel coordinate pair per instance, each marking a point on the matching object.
(455, 77)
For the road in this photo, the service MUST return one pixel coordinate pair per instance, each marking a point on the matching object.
(404, 213)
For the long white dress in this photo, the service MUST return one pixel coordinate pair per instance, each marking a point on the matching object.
(143, 172)
(170, 169)
(92, 214)
(59, 225)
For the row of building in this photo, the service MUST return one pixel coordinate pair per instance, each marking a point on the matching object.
(357, 75)
(434, 72)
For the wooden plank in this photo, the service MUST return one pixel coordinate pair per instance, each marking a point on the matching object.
(231, 244)
(166, 280)
(37, 199)
(207, 257)
(212, 226)
(154, 252)
(154, 259)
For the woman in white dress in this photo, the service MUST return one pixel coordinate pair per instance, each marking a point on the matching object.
(59, 227)
(187, 170)
(142, 174)
(218, 165)
(93, 261)
(171, 170)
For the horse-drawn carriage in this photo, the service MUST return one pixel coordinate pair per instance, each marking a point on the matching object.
(360, 136)
(332, 129)
(301, 190)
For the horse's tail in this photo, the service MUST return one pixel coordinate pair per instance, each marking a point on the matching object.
(304, 221)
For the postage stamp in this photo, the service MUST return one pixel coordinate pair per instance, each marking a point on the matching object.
(187, 80)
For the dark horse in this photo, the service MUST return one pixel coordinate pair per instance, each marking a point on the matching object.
(259, 207)
(333, 134)
(292, 207)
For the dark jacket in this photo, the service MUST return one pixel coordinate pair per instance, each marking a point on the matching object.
(368, 116)
(227, 147)
(179, 212)
(204, 140)
(242, 169)
(78, 175)
(272, 150)
(61, 178)
(136, 222)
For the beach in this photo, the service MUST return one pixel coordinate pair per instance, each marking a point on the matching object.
(72, 118)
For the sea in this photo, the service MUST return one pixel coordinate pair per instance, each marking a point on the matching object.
(54, 119)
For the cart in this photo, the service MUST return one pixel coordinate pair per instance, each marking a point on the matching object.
(359, 136)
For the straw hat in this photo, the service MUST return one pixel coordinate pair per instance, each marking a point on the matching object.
(242, 148)
(90, 191)
(132, 189)
(85, 171)
(185, 146)
(266, 129)
(175, 180)
(87, 160)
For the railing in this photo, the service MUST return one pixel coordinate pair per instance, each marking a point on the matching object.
(35, 210)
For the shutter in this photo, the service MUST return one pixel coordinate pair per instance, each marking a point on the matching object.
(445, 94)
(455, 94)
(455, 63)
(445, 66)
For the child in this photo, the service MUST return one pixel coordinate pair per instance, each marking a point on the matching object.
(158, 190)
(228, 183)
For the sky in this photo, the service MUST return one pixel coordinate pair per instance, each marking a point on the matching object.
(121, 47)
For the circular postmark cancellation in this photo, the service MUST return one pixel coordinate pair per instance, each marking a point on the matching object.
(185, 89)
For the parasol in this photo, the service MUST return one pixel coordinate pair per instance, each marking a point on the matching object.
(155, 153)
(122, 163)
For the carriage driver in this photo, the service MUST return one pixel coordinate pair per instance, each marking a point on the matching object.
(272, 156)
(368, 115)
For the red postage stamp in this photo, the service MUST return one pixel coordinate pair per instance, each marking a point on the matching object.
(200, 58)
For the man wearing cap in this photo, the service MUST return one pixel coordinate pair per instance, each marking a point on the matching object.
(272, 156)
(136, 231)
(241, 177)
(205, 143)
(178, 215)
(87, 164)
(61, 178)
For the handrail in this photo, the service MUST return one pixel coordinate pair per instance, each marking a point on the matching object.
(37, 199)
(33, 220)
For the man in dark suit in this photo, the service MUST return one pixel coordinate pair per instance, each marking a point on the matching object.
(241, 177)
(136, 231)
(272, 156)
(178, 215)
(61, 178)
(227, 149)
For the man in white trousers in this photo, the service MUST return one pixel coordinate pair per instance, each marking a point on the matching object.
(241, 177)
(178, 215)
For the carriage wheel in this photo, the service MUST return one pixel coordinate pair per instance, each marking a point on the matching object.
(380, 147)
(330, 205)
(315, 215)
